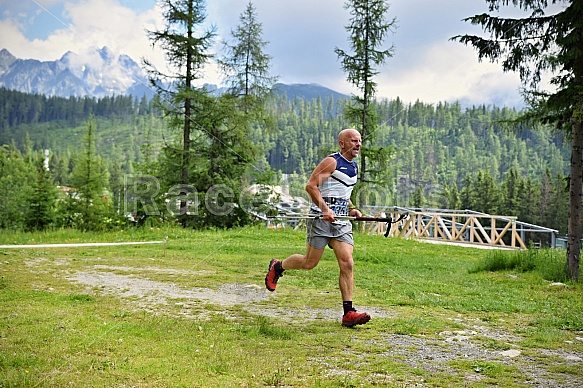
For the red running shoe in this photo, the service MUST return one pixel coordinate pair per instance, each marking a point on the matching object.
(272, 276)
(352, 318)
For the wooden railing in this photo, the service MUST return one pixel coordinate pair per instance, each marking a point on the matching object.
(480, 229)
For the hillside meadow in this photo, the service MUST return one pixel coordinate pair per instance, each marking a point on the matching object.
(194, 313)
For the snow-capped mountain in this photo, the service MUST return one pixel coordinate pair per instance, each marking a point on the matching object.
(97, 73)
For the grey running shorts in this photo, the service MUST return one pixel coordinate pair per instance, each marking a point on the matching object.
(320, 232)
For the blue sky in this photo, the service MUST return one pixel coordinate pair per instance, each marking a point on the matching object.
(302, 35)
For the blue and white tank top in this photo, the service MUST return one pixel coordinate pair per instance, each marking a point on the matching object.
(337, 188)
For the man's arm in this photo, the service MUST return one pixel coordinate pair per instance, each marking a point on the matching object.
(322, 171)
(353, 211)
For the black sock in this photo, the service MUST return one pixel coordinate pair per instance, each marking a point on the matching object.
(347, 306)
(278, 268)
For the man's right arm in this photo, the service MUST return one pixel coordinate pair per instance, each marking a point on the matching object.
(322, 171)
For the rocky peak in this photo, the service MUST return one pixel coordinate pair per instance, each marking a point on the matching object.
(6, 59)
(96, 73)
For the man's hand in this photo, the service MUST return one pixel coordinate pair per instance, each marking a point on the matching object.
(355, 213)
(329, 215)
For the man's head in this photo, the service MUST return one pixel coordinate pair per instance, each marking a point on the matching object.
(350, 143)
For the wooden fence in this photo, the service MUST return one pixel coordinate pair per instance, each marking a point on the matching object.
(480, 229)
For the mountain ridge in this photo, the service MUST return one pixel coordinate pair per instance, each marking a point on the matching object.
(97, 73)
(103, 73)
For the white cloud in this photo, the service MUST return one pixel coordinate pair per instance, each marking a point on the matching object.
(12, 38)
(302, 35)
(446, 72)
(93, 24)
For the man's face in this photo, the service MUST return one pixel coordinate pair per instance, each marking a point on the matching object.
(350, 145)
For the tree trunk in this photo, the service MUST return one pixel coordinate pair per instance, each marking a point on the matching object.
(364, 135)
(187, 113)
(575, 196)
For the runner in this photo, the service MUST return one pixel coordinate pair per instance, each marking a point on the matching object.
(330, 187)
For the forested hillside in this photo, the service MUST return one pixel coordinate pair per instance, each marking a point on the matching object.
(58, 124)
(442, 156)
(431, 145)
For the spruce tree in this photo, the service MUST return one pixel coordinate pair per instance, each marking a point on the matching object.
(40, 213)
(245, 64)
(89, 178)
(16, 180)
(367, 30)
(188, 52)
(531, 46)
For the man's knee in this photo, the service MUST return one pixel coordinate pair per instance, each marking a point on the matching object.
(310, 264)
(346, 263)
(312, 257)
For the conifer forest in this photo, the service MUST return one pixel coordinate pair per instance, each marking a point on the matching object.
(442, 156)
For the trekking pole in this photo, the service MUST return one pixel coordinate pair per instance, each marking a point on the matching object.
(389, 220)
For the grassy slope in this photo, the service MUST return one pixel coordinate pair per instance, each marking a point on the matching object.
(54, 331)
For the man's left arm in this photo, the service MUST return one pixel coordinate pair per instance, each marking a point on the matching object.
(353, 211)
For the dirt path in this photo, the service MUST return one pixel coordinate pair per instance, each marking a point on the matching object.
(102, 244)
(430, 354)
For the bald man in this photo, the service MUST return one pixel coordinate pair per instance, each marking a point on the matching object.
(330, 187)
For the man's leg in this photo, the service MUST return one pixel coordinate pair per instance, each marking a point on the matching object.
(297, 261)
(343, 252)
(308, 261)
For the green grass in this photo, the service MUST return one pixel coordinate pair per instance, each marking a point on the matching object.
(57, 332)
(550, 264)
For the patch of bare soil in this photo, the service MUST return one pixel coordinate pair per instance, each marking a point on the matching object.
(430, 354)
(154, 295)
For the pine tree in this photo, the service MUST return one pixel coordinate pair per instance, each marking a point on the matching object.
(245, 68)
(188, 53)
(116, 185)
(559, 204)
(368, 29)
(223, 155)
(546, 190)
(246, 65)
(511, 192)
(532, 46)
(16, 180)
(450, 197)
(89, 178)
(40, 213)
(417, 200)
